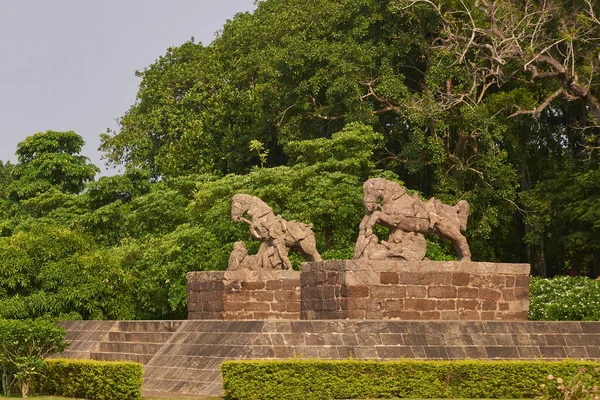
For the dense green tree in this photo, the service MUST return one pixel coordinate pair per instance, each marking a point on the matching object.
(50, 159)
(54, 271)
(464, 112)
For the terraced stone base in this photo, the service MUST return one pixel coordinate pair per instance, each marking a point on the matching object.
(184, 357)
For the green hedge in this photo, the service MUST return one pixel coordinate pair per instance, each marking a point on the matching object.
(351, 379)
(91, 379)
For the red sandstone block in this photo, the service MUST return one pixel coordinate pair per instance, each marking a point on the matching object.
(409, 278)
(521, 293)
(468, 293)
(449, 315)
(430, 315)
(389, 278)
(330, 305)
(409, 315)
(262, 295)
(328, 292)
(522, 281)
(394, 304)
(449, 304)
(293, 307)
(279, 307)
(212, 306)
(489, 305)
(462, 304)
(489, 294)
(520, 315)
(333, 278)
(233, 306)
(290, 284)
(321, 277)
(355, 314)
(469, 315)
(287, 295)
(236, 296)
(478, 280)
(259, 285)
(308, 278)
(420, 304)
(510, 281)
(441, 292)
(503, 306)
(488, 315)
(435, 278)
(498, 281)
(357, 291)
(311, 292)
(416, 291)
(274, 285)
(374, 315)
(461, 278)
(255, 306)
(388, 292)
(508, 294)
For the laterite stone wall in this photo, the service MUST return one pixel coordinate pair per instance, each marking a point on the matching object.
(242, 295)
(425, 290)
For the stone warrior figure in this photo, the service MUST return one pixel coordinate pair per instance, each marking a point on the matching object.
(408, 219)
(277, 236)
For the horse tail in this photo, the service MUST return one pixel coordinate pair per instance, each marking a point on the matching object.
(463, 213)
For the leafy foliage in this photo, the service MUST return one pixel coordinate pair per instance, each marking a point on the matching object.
(23, 347)
(351, 379)
(50, 159)
(89, 379)
(299, 103)
(564, 298)
(50, 270)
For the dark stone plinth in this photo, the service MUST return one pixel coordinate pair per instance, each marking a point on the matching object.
(239, 295)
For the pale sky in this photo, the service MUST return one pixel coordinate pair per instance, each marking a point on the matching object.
(69, 64)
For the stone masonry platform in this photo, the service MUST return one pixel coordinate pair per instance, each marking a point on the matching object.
(413, 290)
(183, 357)
(244, 294)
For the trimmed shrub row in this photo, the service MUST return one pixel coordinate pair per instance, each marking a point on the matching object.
(351, 379)
(91, 379)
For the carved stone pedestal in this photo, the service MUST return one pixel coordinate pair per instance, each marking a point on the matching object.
(415, 290)
(241, 295)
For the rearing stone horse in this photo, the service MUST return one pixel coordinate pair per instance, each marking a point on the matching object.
(389, 204)
(276, 234)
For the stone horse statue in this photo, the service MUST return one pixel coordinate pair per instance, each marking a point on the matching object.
(408, 219)
(277, 236)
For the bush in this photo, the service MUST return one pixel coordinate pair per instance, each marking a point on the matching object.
(351, 379)
(91, 379)
(564, 298)
(23, 347)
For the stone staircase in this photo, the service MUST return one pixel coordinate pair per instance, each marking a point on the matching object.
(137, 341)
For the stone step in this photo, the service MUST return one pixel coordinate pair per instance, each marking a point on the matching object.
(140, 337)
(147, 326)
(106, 356)
(129, 347)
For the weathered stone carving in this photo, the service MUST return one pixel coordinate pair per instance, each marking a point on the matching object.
(277, 236)
(408, 219)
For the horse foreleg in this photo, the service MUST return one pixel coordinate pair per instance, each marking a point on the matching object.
(308, 246)
(459, 241)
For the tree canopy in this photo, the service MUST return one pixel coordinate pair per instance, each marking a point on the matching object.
(300, 102)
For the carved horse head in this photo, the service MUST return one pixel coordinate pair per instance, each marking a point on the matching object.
(246, 204)
(378, 191)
